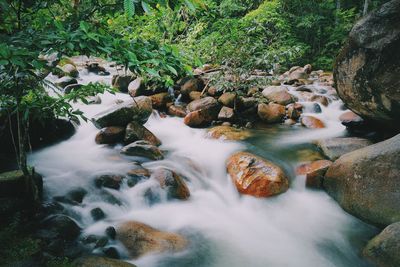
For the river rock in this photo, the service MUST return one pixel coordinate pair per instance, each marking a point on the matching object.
(323, 100)
(190, 85)
(135, 131)
(60, 226)
(143, 149)
(138, 109)
(194, 95)
(136, 87)
(112, 181)
(314, 172)
(70, 70)
(140, 239)
(202, 112)
(172, 183)
(110, 135)
(65, 81)
(122, 81)
(367, 69)
(203, 103)
(278, 94)
(160, 100)
(294, 110)
(97, 261)
(352, 120)
(311, 122)
(227, 99)
(333, 148)
(226, 113)
(271, 113)
(366, 182)
(384, 249)
(256, 176)
(178, 111)
(228, 133)
(244, 103)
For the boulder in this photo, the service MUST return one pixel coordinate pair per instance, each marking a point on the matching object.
(140, 239)
(135, 131)
(178, 111)
(138, 109)
(190, 85)
(122, 81)
(278, 94)
(314, 172)
(160, 100)
(226, 113)
(352, 121)
(311, 122)
(97, 261)
(367, 69)
(227, 99)
(366, 182)
(202, 112)
(172, 183)
(244, 103)
(112, 181)
(203, 103)
(15, 184)
(136, 87)
(110, 135)
(271, 113)
(384, 249)
(143, 149)
(333, 148)
(194, 95)
(228, 133)
(256, 176)
(323, 100)
(294, 111)
(61, 226)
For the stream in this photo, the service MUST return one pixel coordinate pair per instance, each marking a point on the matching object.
(299, 228)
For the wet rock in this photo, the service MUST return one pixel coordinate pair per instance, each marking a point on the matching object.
(228, 133)
(367, 69)
(311, 122)
(278, 94)
(172, 183)
(111, 232)
(227, 99)
(138, 109)
(256, 176)
(143, 149)
(202, 112)
(94, 100)
(97, 214)
(122, 81)
(316, 108)
(135, 131)
(160, 100)
(96, 261)
(110, 135)
(70, 70)
(352, 121)
(366, 182)
(314, 172)
(194, 95)
(111, 252)
(136, 87)
(294, 111)
(226, 113)
(383, 249)
(177, 111)
(140, 239)
(190, 85)
(333, 148)
(61, 226)
(271, 113)
(74, 197)
(109, 181)
(72, 87)
(101, 241)
(65, 81)
(95, 67)
(323, 100)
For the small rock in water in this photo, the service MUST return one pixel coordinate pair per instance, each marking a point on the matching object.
(110, 232)
(110, 135)
(294, 110)
(320, 99)
(143, 149)
(160, 100)
(172, 183)
(97, 214)
(111, 252)
(314, 172)
(135, 131)
(312, 122)
(109, 180)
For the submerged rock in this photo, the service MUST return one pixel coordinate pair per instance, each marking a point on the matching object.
(228, 133)
(141, 239)
(138, 109)
(367, 69)
(366, 182)
(256, 176)
(384, 249)
(333, 148)
(172, 183)
(110, 135)
(143, 149)
(135, 131)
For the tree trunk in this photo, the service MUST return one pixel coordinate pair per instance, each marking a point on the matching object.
(365, 9)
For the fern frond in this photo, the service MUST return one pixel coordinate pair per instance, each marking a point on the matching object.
(129, 8)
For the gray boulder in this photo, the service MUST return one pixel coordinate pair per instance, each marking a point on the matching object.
(333, 148)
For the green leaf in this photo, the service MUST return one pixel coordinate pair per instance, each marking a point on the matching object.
(146, 7)
(171, 69)
(3, 62)
(129, 8)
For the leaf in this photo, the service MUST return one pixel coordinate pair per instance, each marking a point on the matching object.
(3, 62)
(146, 7)
(171, 69)
(190, 5)
(129, 8)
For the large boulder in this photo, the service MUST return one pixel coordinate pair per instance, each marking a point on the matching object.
(140, 239)
(366, 182)
(384, 249)
(138, 109)
(333, 148)
(278, 94)
(256, 176)
(202, 112)
(16, 185)
(271, 113)
(367, 69)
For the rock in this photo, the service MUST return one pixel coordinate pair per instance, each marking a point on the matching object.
(110, 135)
(111, 232)
(142, 149)
(177, 111)
(135, 131)
(314, 172)
(212, 91)
(138, 109)
(72, 87)
(256, 176)
(311, 122)
(228, 133)
(333, 148)
(73, 197)
(70, 70)
(172, 183)
(278, 94)
(15, 184)
(252, 91)
(61, 226)
(203, 103)
(366, 182)
(320, 99)
(109, 181)
(96, 261)
(227, 99)
(383, 249)
(194, 95)
(96, 68)
(136, 87)
(65, 81)
(226, 114)
(97, 214)
(202, 112)
(352, 120)
(111, 252)
(367, 69)
(122, 81)
(160, 100)
(140, 239)
(190, 85)
(294, 111)
(244, 103)
(271, 113)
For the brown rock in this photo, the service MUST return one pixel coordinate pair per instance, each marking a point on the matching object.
(135, 131)
(314, 172)
(312, 122)
(203, 103)
(143, 149)
(226, 113)
(192, 84)
(278, 94)
(271, 113)
(195, 95)
(172, 183)
(294, 110)
(141, 239)
(320, 99)
(135, 86)
(110, 135)
(177, 111)
(256, 176)
(121, 82)
(212, 91)
(333, 148)
(160, 100)
(227, 99)
(228, 133)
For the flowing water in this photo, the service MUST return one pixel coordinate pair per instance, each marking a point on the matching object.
(300, 228)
